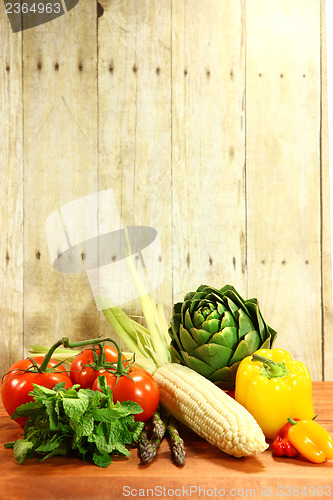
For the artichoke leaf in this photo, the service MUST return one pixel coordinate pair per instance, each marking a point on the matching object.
(214, 315)
(253, 307)
(225, 377)
(188, 343)
(188, 296)
(195, 304)
(272, 335)
(186, 305)
(234, 296)
(227, 320)
(174, 329)
(268, 342)
(200, 336)
(212, 326)
(206, 290)
(214, 297)
(222, 309)
(243, 349)
(217, 294)
(188, 321)
(226, 288)
(226, 337)
(197, 365)
(232, 307)
(198, 319)
(198, 297)
(176, 357)
(177, 308)
(254, 341)
(211, 297)
(214, 355)
(245, 324)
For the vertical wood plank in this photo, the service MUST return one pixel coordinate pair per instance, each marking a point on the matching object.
(11, 194)
(208, 145)
(152, 186)
(60, 142)
(153, 105)
(326, 219)
(135, 117)
(283, 171)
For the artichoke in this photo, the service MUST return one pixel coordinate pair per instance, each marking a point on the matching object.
(213, 330)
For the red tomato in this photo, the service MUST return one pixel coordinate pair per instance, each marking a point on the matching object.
(142, 389)
(86, 375)
(17, 383)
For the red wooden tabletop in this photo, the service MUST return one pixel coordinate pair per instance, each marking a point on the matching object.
(208, 473)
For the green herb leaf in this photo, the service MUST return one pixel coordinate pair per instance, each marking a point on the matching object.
(81, 422)
(102, 460)
(131, 407)
(21, 450)
(50, 406)
(136, 430)
(30, 409)
(75, 408)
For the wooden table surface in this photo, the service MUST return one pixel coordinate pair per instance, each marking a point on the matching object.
(208, 473)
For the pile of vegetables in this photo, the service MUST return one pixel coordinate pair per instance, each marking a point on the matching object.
(83, 422)
(93, 411)
(110, 399)
(273, 386)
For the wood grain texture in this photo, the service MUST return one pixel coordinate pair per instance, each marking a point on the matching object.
(60, 147)
(11, 194)
(135, 120)
(208, 122)
(206, 467)
(326, 219)
(208, 145)
(283, 171)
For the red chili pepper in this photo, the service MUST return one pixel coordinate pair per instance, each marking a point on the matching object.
(281, 444)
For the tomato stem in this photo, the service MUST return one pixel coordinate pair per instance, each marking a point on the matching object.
(44, 366)
(119, 370)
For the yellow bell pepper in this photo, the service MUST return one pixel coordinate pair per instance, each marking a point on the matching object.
(272, 386)
(311, 440)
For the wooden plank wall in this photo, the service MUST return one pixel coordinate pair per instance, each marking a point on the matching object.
(208, 122)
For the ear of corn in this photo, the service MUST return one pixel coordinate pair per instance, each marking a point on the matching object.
(208, 411)
(189, 397)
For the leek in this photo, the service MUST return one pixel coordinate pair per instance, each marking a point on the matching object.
(61, 354)
(150, 344)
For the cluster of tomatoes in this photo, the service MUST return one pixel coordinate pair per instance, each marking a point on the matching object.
(135, 384)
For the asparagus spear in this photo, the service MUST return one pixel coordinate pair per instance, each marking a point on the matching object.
(178, 450)
(147, 449)
(143, 442)
(161, 423)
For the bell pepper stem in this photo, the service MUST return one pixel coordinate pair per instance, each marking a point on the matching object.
(271, 369)
(119, 371)
(294, 423)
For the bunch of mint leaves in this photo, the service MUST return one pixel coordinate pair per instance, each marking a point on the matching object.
(79, 422)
